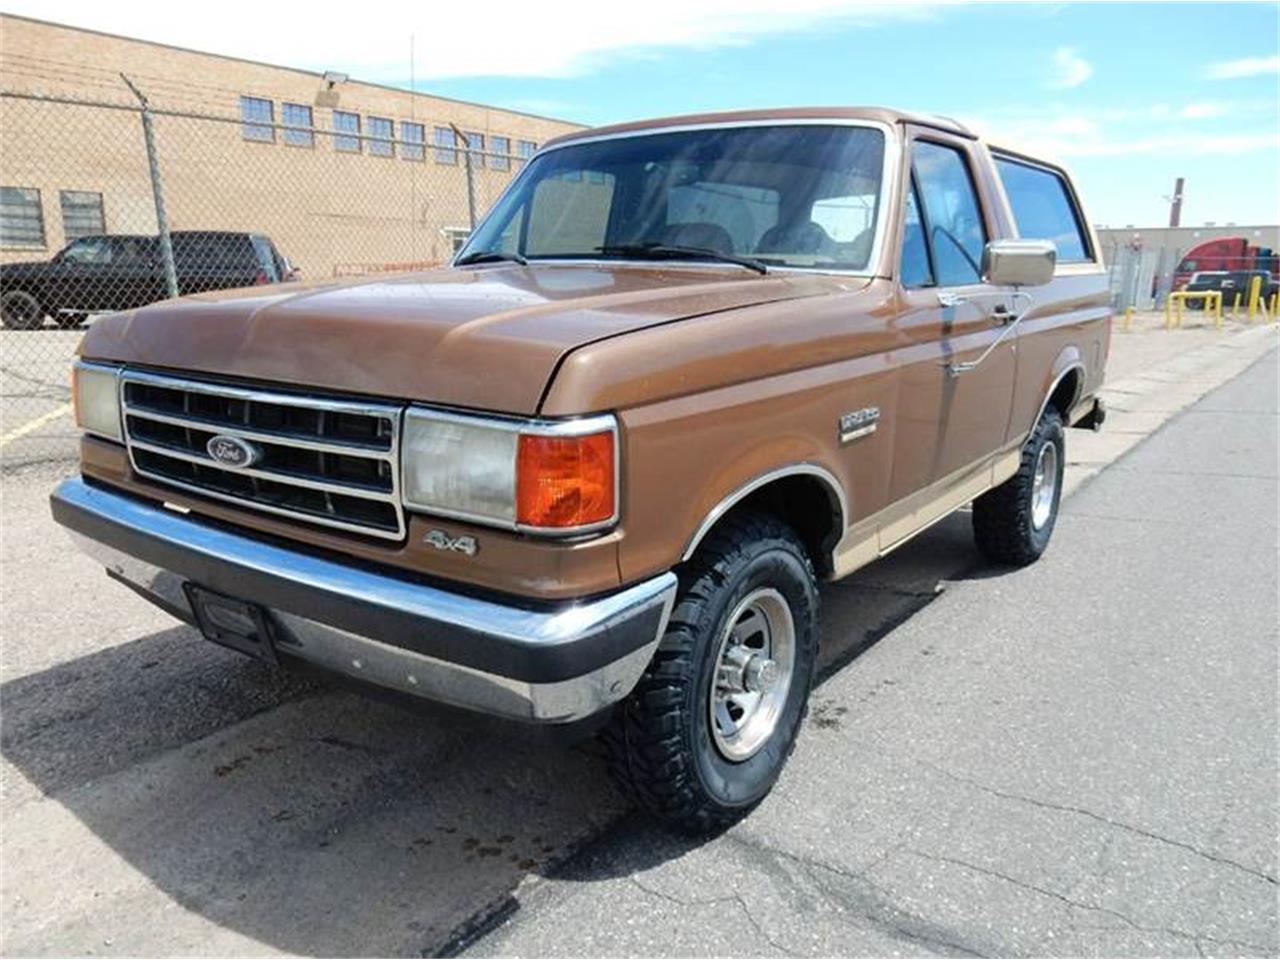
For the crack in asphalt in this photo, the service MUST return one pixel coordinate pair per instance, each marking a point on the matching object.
(734, 898)
(1197, 938)
(1107, 821)
(56, 385)
(876, 905)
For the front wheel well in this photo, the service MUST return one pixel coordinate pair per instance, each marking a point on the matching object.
(805, 502)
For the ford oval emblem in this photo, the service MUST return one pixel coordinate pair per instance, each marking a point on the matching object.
(229, 451)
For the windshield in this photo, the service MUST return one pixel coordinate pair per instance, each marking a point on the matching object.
(797, 196)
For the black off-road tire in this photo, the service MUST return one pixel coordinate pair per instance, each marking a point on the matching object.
(660, 745)
(1002, 517)
(20, 310)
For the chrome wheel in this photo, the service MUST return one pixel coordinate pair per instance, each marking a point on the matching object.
(755, 662)
(1044, 486)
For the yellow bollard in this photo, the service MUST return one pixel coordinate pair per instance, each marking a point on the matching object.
(1217, 311)
(1275, 302)
(1128, 319)
(1178, 311)
(1235, 304)
(1168, 311)
(1255, 292)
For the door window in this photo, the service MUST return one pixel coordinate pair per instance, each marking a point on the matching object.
(951, 214)
(132, 251)
(916, 270)
(88, 250)
(266, 257)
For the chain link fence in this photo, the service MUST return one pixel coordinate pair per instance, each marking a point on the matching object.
(113, 202)
(1142, 276)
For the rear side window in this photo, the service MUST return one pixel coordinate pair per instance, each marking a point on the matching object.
(1043, 208)
(953, 220)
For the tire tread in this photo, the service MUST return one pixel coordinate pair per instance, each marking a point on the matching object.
(647, 744)
(1002, 516)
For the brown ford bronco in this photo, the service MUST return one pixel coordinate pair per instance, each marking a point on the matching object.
(590, 474)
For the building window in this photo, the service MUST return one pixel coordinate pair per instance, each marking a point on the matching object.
(297, 115)
(413, 136)
(344, 122)
(456, 236)
(382, 134)
(475, 148)
(444, 146)
(81, 214)
(21, 219)
(500, 158)
(524, 150)
(263, 111)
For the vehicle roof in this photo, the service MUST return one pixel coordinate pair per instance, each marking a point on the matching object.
(780, 115)
(113, 236)
(213, 233)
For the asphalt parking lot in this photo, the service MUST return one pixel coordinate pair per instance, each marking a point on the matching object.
(35, 395)
(982, 772)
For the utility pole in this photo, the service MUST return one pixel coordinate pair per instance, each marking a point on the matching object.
(1175, 204)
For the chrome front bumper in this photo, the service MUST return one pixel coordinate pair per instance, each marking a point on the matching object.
(545, 664)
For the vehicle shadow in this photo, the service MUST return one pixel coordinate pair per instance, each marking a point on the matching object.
(316, 821)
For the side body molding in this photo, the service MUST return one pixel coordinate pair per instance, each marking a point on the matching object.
(828, 479)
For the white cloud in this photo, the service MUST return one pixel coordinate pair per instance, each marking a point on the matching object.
(1115, 132)
(1244, 67)
(551, 38)
(1069, 69)
(1181, 144)
(1205, 110)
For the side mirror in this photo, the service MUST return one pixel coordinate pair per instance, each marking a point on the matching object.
(1019, 263)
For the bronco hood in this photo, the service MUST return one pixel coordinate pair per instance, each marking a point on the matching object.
(487, 338)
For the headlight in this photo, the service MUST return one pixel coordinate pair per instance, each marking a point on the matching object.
(95, 395)
(537, 476)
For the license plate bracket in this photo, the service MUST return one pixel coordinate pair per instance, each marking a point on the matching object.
(232, 622)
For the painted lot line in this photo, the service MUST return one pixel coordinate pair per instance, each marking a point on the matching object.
(31, 426)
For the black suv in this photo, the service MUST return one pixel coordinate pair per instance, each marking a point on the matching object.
(102, 273)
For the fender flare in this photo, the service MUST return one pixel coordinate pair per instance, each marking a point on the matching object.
(807, 469)
(1069, 360)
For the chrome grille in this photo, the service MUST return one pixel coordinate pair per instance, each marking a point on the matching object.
(326, 461)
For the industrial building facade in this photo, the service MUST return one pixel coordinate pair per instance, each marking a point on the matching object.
(343, 176)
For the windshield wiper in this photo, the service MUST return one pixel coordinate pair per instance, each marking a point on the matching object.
(667, 251)
(490, 256)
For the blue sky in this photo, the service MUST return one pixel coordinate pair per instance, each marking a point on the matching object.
(1130, 96)
(1125, 94)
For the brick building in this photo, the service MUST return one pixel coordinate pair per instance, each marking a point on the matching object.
(344, 176)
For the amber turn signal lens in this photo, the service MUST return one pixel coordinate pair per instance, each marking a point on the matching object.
(565, 481)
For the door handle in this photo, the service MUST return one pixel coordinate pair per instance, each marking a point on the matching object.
(1008, 319)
